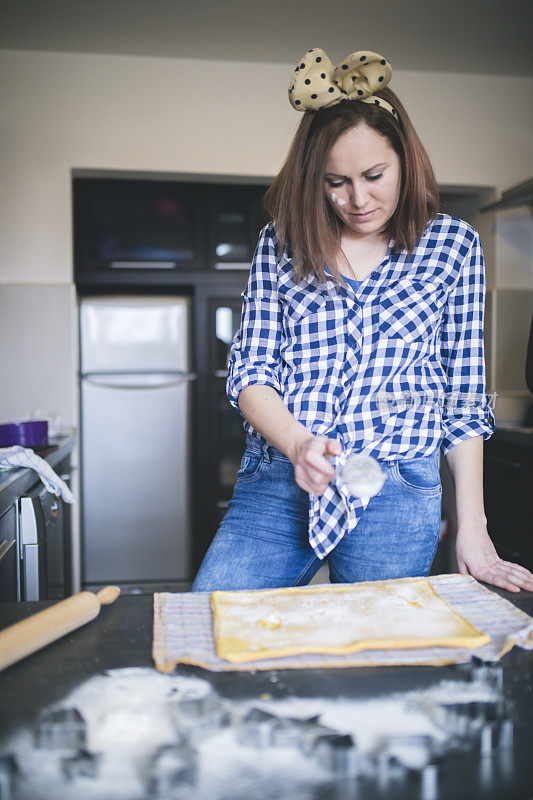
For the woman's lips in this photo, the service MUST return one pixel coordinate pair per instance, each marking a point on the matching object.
(362, 217)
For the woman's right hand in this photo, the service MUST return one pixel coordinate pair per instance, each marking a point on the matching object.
(312, 470)
(267, 413)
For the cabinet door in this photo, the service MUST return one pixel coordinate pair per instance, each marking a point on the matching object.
(236, 219)
(219, 432)
(128, 230)
(227, 432)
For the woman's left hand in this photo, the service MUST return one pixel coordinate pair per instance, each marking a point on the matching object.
(477, 556)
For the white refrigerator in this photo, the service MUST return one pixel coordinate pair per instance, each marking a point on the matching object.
(135, 395)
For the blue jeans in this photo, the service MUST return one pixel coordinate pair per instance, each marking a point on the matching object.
(262, 542)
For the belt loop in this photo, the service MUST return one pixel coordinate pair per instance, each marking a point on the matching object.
(266, 454)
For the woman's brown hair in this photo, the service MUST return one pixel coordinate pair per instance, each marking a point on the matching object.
(296, 200)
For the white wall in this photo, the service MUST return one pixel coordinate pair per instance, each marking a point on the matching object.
(63, 111)
(38, 355)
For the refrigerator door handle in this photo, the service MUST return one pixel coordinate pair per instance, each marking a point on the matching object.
(139, 381)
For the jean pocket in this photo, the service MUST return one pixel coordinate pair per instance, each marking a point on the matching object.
(252, 466)
(417, 475)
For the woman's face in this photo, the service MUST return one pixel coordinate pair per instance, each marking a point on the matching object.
(363, 180)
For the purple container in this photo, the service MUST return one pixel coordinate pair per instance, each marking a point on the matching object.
(30, 433)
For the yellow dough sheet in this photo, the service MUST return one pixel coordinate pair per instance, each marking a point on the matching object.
(341, 619)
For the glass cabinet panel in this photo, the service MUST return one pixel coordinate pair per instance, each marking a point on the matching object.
(227, 321)
(237, 219)
(140, 225)
(232, 243)
(226, 424)
(231, 441)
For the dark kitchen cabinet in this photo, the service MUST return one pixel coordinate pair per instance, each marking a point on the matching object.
(219, 431)
(236, 216)
(140, 233)
(235, 219)
(508, 489)
(227, 431)
(124, 225)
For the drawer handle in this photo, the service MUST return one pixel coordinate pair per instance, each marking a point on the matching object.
(5, 547)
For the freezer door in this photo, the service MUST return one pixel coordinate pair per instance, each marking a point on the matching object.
(134, 333)
(135, 480)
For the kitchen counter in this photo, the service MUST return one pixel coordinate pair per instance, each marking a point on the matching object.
(15, 482)
(121, 637)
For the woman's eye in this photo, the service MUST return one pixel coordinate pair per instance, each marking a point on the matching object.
(374, 177)
(335, 183)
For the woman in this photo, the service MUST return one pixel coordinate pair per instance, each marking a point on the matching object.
(361, 332)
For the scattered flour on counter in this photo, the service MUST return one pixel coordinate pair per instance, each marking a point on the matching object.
(127, 716)
(370, 721)
(230, 771)
(128, 719)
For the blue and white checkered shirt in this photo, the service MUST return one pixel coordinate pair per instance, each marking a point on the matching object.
(394, 369)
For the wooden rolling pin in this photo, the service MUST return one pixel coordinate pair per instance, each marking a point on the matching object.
(29, 635)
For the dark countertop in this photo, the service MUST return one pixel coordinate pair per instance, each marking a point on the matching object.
(15, 482)
(121, 637)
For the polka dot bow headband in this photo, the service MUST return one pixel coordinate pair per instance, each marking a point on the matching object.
(317, 84)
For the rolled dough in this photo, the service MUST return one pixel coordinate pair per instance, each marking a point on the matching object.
(347, 618)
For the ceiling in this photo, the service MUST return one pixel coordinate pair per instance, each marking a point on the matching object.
(468, 36)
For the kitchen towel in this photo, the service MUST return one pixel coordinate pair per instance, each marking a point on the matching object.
(18, 456)
(183, 633)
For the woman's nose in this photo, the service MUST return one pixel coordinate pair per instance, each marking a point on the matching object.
(358, 195)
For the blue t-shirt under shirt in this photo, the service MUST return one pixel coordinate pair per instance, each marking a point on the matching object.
(353, 283)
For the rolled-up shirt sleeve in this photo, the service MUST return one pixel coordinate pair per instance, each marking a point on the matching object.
(254, 357)
(466, 407)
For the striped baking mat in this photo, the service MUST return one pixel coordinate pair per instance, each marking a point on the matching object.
(183, 632)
